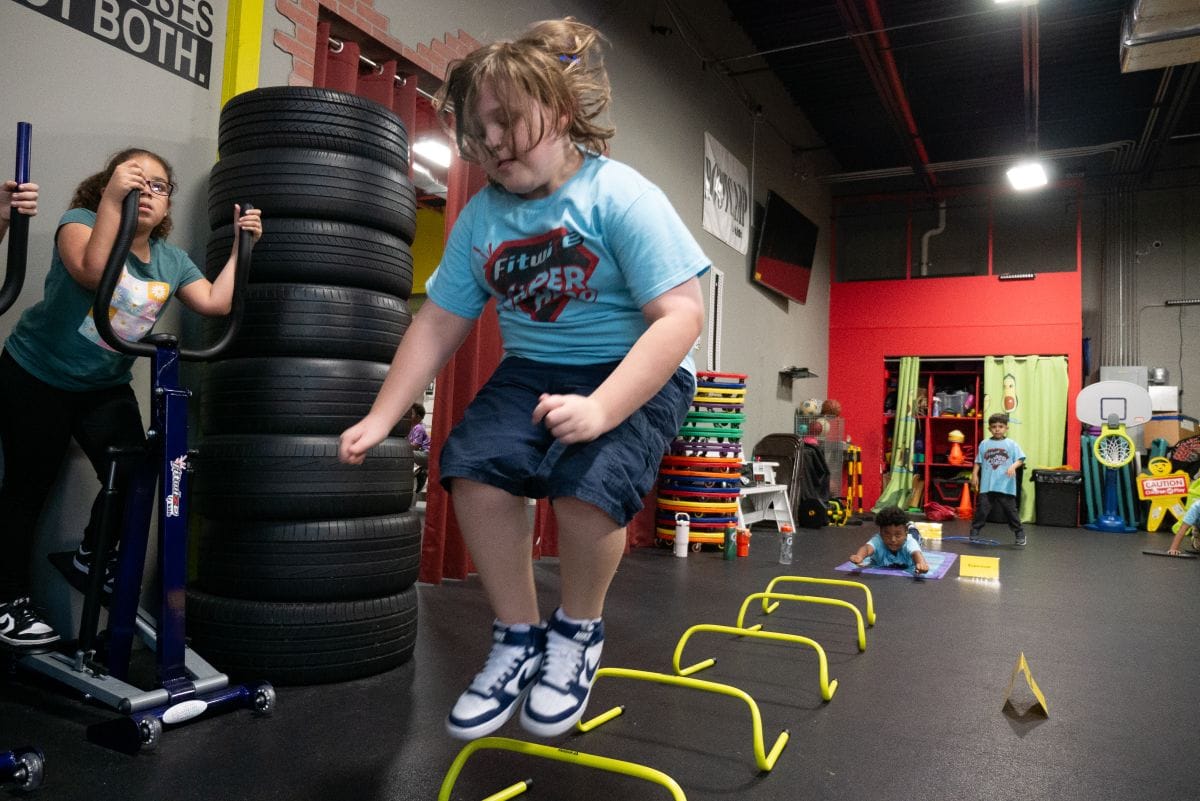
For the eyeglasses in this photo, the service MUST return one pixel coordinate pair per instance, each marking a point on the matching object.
(161, 188)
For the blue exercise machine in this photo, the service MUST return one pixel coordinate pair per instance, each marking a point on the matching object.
(186, 686)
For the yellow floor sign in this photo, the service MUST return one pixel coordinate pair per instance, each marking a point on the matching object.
(1039, 707)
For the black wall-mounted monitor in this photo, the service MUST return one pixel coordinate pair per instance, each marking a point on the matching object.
(786, 246)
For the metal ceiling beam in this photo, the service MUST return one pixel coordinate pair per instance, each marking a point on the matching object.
(1030, 61)
(876, 52)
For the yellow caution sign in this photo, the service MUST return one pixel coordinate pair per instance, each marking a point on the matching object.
(1039, 706)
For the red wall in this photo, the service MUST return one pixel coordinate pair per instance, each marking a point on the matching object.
(944, 317)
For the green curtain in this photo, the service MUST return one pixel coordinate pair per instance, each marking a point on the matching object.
(1032, 391)
(900, 479)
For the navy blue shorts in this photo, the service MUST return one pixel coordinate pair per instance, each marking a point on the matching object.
(496, 444)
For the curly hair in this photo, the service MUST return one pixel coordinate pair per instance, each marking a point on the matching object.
(87, 194)
(891, 516)
(558, 64)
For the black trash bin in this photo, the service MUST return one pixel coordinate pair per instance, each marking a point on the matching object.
(1056, 497)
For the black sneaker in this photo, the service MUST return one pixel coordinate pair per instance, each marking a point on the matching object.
(1021, 540)
(83, 566)
(22, 625)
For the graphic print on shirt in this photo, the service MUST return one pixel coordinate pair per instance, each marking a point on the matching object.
(541, 274)
(135, 307)
(996, 457)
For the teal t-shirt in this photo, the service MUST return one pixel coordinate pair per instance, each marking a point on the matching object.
(56, 340)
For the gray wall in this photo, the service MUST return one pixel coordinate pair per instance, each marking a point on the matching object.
(88, 99)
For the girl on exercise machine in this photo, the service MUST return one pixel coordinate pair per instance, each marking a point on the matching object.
(59, 381)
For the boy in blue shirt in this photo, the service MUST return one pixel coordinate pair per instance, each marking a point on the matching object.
(893, 546)
(994, 477)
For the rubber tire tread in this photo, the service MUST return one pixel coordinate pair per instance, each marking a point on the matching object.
(311, 560)
(288, 395)
(314, 119)
(315, 320)
(319, 184)
(303, 643)
(267, 477)
(320, 252)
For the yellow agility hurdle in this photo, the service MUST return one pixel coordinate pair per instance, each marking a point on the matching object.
(762, 759)
(558, 754)
(808, 599)
(768, 609)
(828, 688)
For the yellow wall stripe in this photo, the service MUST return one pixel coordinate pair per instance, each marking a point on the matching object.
(243, 47)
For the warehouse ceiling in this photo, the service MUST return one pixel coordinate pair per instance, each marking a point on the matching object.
(928, 94)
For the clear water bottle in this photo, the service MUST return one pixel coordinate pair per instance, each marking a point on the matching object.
(682, 528)
(785, 544)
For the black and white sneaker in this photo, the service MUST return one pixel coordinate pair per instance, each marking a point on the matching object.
(495, 692)
(22, 625)
(83, 566)
(559, 697)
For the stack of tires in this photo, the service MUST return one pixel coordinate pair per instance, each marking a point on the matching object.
(305, 566)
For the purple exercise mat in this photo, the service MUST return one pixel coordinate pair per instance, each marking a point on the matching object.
(939, 565)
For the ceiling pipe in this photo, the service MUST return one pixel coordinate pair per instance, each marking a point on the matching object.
(1121, 148)
(932, 232)
(875, 50)
(1030, 61)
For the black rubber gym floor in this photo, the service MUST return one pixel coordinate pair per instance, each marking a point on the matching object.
(1109, 635)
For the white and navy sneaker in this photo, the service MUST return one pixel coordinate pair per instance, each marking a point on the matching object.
(22, 625)
(496, 690)
(560, 695)
(83, 567)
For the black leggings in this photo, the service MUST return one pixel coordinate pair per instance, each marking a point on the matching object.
(37, 422)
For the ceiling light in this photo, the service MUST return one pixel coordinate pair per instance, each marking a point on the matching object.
(433, 151)
(1017, 276)
(1027, 175)
(1011, 2)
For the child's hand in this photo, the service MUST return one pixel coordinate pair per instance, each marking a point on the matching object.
(360, 438)
(922, 568)
(250, 221)
(127, 175)
(571, 418)
(1011, 471)
(856, 559)
(23, 198)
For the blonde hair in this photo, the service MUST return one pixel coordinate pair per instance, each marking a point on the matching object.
(556, 64)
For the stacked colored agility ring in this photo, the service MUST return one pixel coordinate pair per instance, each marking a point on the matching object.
(702, 474)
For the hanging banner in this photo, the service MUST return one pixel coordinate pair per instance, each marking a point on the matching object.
(726, 196)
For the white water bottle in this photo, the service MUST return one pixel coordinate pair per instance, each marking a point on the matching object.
(683, 525)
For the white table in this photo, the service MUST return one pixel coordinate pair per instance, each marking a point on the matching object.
(764, 502)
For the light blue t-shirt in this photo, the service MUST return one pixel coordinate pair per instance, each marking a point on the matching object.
(885, 558)
(56, 340)
(570, 272)
(1192, 515)
(994, 457)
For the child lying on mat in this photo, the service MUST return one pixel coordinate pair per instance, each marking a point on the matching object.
(893, 546)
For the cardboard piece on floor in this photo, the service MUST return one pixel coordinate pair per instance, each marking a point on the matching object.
(1172, 555)
(985, 567)
(1039, 706)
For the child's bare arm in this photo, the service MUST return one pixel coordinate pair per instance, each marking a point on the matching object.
(1184, 530)
(919, 562)
(675, 319)
(862, 553)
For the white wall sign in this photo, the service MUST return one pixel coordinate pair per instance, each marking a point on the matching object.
(726, 213)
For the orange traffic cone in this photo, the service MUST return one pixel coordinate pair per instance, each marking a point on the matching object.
(965, 510)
